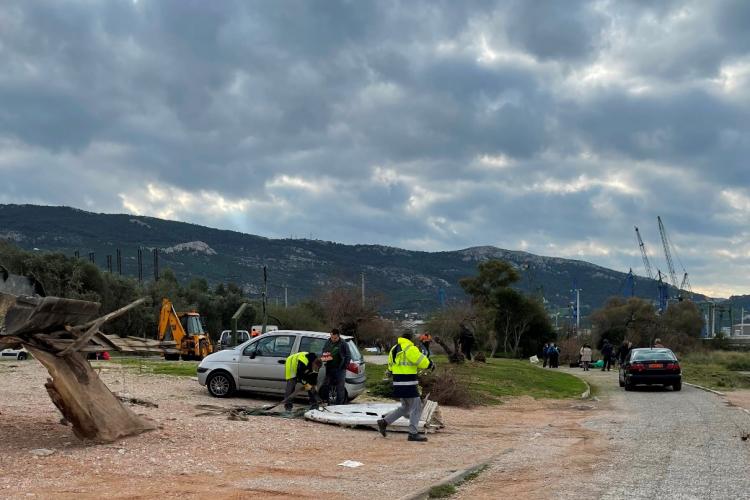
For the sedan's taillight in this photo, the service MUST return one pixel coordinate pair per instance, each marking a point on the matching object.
(636, 367)
(673, 366)
(353, 367)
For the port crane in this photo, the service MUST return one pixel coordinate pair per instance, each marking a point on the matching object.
(685, 285)
(661, 287)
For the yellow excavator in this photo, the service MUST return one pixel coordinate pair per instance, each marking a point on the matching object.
(186, 329)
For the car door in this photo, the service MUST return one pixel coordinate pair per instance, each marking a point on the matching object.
(262, 363)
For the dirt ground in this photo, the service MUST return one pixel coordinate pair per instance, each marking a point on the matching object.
(530, 443)
(739, 398)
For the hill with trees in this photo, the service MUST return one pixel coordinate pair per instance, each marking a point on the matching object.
(300, 269)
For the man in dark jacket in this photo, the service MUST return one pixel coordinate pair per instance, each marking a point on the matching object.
(607, 354)
(622, 354)
(336, 357)
(467, 341)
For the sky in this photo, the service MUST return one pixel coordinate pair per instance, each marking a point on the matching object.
(550, 127)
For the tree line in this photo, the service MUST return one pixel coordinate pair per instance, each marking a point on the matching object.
(73, 278)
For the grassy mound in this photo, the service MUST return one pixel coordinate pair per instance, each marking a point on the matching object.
(720, 370)
(488, 383)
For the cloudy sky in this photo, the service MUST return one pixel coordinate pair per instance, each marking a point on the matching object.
(552, 127)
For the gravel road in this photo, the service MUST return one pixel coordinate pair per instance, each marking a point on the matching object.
(666, 444)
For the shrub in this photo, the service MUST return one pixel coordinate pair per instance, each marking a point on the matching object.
(446, 388)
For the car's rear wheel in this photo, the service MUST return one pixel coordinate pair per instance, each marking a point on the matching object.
(22, 356)
(677, 386)
(622, 384)
(628, 386)
(172, 357)
(220, 385)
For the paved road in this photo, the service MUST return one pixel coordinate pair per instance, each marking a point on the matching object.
(677, 445)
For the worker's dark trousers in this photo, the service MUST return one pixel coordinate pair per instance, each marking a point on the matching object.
(290, 385)
(411, 408)
(467, 349)
(335, 379)
(607, 363)
(427, 348)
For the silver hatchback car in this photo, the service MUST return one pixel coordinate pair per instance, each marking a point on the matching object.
(258, 364)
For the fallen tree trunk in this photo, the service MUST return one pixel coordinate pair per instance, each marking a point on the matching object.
(85, 401)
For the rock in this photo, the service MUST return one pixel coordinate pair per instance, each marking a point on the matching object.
(42, 452)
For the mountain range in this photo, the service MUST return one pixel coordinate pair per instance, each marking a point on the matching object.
(406, 280)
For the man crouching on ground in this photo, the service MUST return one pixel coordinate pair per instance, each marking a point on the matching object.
(301, 367)
(404, 361)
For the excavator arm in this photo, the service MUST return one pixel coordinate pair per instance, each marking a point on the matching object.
(170, 327)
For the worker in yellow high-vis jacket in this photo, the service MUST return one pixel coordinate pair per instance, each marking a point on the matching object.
(301, 367)
(404, 362)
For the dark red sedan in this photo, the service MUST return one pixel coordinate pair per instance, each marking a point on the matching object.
(651, 366)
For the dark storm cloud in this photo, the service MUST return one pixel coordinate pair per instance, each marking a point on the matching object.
(555, 30)
(548, 126)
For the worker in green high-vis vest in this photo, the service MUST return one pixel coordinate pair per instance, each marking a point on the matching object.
(301, 367)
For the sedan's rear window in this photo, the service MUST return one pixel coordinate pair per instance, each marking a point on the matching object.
(656, 355)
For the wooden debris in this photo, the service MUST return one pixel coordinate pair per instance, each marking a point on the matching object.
(57, 332)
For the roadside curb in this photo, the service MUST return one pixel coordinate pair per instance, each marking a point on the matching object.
(705, 389)
(587, 393)
(454, 478)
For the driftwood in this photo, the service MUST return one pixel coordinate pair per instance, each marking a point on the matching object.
(56, 332)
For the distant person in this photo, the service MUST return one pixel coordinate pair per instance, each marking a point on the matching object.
(426, 340)
(607, 355)
(554, 356)
(622, 354)
(336, 356)
(658, 344)
(254, 333)
(586, 353)
(545, 354)
(301, 367)
(466, 338)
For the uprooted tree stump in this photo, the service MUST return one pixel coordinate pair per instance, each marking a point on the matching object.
(85, 401)
(58, 332)
(454, 355)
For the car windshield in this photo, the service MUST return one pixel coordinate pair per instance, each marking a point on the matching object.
(653, 355)
(356, 355)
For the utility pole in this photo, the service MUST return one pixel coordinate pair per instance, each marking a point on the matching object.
(363, 290)
(264, 298)
(91, 257)
(109, 264)
(119, 262)
(156, 264)
(77, 254)
(286, 296)
(578, 308)
(140, 265)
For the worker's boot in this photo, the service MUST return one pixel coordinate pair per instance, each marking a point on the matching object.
(417, 437)
(382, 424)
